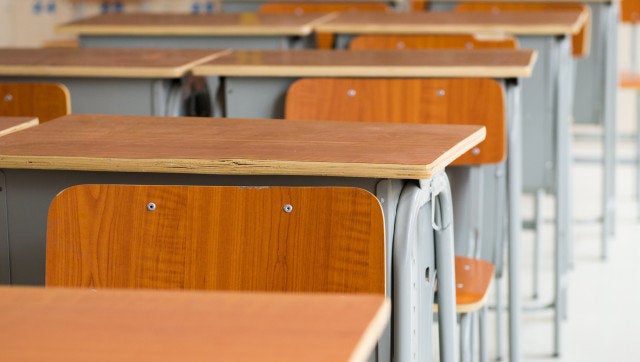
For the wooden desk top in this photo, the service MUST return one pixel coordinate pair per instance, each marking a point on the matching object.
(468, 22)
(238, 146)
(233, 24)
(151, 325)
(102, 62)
(372, 63)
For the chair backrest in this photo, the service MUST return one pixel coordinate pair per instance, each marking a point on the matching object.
(302, 239)
(630, 11)
(432, 41)
(43, 100)
(464, 101)
(323, 40)
(320, 7)
(580, 42)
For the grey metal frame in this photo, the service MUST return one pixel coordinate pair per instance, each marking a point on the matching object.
(28, 193)
(196, 41)
(132, 96)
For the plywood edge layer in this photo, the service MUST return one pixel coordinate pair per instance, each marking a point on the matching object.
(220, 167)
(19, 127)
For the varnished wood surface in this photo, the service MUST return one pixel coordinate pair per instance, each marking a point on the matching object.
(478, 101)
(372, 63)
(196, 24)
(630, 11)
(516, 23)
(238, 146)
(217, 238)
(431, 41)
(15, 124)
(45, 101)
(115, 325)
(473, 279)
(102, 62)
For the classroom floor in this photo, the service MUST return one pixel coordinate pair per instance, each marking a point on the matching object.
(603, 323)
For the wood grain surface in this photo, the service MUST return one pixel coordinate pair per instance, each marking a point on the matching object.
(116, 325)
(238, 146)
(102, 62)
(515, 23)
(372, 63)
(196, 24)
(217, 238)
(431, 41)
(478, 101)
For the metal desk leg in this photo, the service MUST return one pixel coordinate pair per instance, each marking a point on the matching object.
(442, 221)
(413, 275)
(611, 86)
(514, 189)
(563, 180)
(388, 193)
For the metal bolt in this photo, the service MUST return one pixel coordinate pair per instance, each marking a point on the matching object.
(8, 98)
(441, 92)
(151, 206)
(475, 151)
(287, 208)
(351, 92)
(400, 45)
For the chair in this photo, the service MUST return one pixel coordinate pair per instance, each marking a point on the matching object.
(43, 100)
(431, 41)
(278, 239)
(323, 40)
(630, 79)
(579, 42)
(465, 101)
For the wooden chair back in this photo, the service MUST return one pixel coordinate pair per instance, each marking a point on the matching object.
(433, 41)
(580, 42)
(630, 11)
(281, 239)
(463, 101)
(43, 100)
(323, 40)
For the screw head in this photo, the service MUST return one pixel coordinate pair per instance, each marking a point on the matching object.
(151, 206)
(8, 97)
(351, 92)
(288, 208)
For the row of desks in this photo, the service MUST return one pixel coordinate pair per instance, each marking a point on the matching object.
(393, 161)
(250, 31)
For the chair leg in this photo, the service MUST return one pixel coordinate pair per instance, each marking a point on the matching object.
(536, 243)
(638, 151)
(499, 306)
(482, 335)
(465, 337)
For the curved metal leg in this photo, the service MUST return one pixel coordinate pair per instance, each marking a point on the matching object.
(413, 277)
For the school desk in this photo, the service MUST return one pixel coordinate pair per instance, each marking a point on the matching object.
(216, 30)
(264, 76)
(112, 81)
(392, 161)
